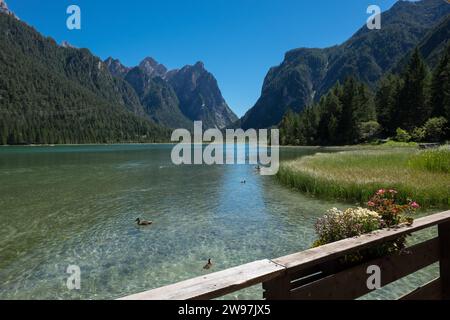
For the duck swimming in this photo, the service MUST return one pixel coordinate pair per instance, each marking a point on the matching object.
(208, 265)
(143, 222)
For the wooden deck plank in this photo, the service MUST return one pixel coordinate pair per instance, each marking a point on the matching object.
(215, 285)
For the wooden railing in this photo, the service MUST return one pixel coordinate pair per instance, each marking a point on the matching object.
(318, 274)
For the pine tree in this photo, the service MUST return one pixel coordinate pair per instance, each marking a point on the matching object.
(412, 109)
(348, 125)
(365, 106)
(440, 88)
(386, 102)
(331, 109)
(287, 132)
(309, 120)
(3, 133)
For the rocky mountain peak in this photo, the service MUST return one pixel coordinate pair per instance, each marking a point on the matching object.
(152, 68)
(200, 97)
(116, 68)
(199, 65)
(4, 9)
(177, 97)
(66, 44)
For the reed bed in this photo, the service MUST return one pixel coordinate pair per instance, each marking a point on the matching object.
(356, 175)
(432, 160)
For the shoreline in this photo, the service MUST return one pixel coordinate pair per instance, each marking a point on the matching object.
(83, 144)
(354, 175)
(136, 143)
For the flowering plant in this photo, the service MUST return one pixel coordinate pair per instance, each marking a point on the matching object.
(384, 202)
(337, 225)
(384, 212)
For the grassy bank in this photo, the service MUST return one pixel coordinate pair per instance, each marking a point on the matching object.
(355, 175)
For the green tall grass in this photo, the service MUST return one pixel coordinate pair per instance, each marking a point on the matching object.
(433, 160)
(356, 175)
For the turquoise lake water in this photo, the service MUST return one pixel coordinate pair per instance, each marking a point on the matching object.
(76, 205)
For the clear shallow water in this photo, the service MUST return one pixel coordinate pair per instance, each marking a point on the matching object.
(76, 205)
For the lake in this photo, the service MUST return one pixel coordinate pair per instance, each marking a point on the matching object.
(77, 205)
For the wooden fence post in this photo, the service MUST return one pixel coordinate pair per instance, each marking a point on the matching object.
(444, 259)
(277, 289)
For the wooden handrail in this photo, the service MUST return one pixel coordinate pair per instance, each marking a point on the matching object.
(216, 284)
(331, 251)
(351, 282)
(279, 271)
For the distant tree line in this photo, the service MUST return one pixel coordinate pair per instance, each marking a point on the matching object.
(413, 105)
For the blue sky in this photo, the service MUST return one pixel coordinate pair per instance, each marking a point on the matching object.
(238, 40)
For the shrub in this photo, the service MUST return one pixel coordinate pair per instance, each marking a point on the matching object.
(418, 134)
(392, 213)
(384, 212)
(368, 130)
(337, 225)
(435, 129)
(396, 144)
(402, 135)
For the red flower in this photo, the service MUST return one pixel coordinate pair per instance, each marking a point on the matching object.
(414, 205)
(371, 204)
(381, 192)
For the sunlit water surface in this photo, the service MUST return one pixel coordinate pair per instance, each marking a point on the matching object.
(76, 205)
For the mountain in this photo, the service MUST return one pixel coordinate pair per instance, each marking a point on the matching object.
(200, 97)
(52, 94)
(4, 9)
(77, 65)
(432, 45)
(176, 98)
(116, 68)
(152, 68)
(55, 94)
(157, 95)
(306, 74)
(435, 43)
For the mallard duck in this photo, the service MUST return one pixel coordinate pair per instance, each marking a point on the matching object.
(208, 265)
(143, 222)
